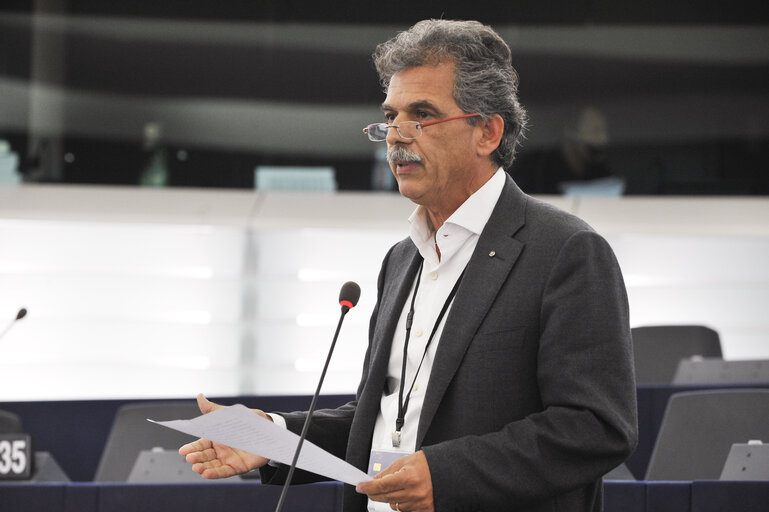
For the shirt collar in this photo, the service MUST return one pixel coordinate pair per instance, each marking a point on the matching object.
(471, 215)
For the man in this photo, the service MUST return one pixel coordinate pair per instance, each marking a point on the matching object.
(517, 392)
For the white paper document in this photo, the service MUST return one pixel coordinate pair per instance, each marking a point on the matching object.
(239, 427)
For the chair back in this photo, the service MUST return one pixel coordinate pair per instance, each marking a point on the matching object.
(714, 370)
(131, 433)
(699, 428)
(658, 349)
(9, 422)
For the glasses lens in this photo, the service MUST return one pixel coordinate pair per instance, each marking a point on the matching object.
(410, 129)
(377, 132)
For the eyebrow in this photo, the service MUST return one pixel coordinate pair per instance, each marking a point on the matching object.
(415, 105)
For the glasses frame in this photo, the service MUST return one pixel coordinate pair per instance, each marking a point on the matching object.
(416, 124)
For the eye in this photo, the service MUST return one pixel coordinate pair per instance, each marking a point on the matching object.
(422, 115)
(389, 117)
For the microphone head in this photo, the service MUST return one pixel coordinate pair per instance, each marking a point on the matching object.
(23, 312)
(349, 294)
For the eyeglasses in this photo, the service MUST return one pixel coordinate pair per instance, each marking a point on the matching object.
(377, 132)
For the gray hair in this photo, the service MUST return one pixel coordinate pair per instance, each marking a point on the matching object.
(485, 80)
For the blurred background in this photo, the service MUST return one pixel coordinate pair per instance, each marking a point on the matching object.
(184, 185)
(89, 90)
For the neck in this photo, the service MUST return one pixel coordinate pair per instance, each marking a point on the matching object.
(437, 214)
(437, 218)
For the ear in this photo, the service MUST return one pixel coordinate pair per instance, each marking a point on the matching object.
(491, 134)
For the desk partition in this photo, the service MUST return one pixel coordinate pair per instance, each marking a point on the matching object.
(95, 497)
(698, 496)
(75, 432)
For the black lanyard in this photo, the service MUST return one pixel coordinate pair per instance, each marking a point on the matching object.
(403, 405)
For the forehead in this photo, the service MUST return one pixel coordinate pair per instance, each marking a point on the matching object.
(434, 84)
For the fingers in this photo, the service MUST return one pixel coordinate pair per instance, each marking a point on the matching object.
(406, 482)
(206, 405)
(393, 468)
(213, 460)
(195, 446)
(384, 482)
(203, 455)
(213, 469)
(388, 488)
(205, 460)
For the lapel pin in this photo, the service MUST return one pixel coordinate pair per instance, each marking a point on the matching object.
(492, 254)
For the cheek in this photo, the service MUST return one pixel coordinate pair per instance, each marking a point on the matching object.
(450, 162)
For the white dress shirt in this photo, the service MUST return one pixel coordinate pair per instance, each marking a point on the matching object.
(456, 239)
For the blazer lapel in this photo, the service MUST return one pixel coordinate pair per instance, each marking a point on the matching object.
(403, 269)
(489, 266)
(390, 309)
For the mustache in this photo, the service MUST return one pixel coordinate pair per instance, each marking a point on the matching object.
(402, 154)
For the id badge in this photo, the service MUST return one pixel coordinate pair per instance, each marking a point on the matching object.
(379, 460)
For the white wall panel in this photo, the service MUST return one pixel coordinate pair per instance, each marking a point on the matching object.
(118, 306)
(147, 293)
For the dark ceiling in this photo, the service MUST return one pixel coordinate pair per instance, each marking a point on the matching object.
(524, 12)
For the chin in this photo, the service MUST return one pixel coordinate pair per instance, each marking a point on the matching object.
(410, 193)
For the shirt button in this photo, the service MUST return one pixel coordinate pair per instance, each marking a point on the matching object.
(433, 275)
(418, 332)
(416, 387)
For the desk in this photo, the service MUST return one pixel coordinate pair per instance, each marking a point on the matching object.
(698, 496)
(95, 497)
(75, 432)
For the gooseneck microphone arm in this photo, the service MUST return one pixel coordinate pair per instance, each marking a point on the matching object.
(21, 314)
(348, 298)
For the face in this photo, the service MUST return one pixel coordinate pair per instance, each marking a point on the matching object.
(449, 169)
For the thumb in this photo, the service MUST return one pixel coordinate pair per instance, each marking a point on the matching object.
(206, 405)
(393, 468)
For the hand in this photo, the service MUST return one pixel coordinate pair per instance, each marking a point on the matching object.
(214, 460)
(406, 485)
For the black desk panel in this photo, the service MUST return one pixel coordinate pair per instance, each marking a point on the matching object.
(698, 496)
(732, 496)
(28, 496)
(99, 497)
(246, 497)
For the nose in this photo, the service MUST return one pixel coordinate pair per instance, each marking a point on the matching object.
(394, 136)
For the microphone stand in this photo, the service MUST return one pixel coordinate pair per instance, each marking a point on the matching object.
(21, 314)
(306, 426)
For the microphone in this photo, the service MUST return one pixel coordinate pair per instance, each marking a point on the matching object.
(348, 298)
(23, 312)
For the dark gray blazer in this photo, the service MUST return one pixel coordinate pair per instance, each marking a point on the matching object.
(531, 397)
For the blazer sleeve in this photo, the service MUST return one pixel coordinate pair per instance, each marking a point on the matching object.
(587, 423)
(329, 429)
